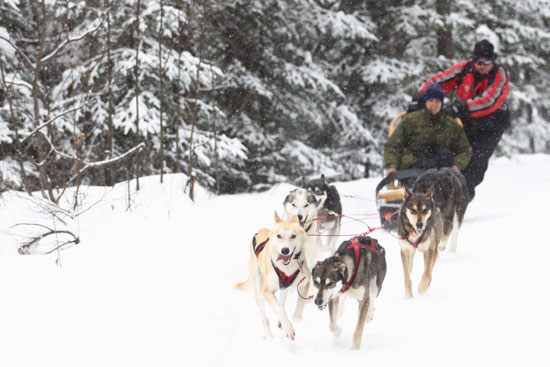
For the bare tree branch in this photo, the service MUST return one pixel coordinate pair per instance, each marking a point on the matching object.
(19, 51)
(106, 161)
(61, 46)
(52, 120)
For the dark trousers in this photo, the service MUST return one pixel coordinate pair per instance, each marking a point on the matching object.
(444, 158)
(483, 133)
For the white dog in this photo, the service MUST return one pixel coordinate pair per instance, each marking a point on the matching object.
(276, 262)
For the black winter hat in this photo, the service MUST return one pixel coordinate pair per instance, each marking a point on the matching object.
(484, 49)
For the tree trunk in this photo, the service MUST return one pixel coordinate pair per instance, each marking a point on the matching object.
(215, 127)
(138, 135)
(445, 45)
(108, 149)
(41, 154)
(161, 77)
(15, 130)
(194, 118)
(179, 153)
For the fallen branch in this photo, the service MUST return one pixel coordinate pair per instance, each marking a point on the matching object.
(25, 248)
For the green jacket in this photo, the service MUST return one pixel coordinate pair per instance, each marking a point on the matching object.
(421, 135)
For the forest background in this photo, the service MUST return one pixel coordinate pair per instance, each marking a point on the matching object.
(237, 94)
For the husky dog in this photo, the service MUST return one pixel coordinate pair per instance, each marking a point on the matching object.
(276, 261)
(430, 214)
(330, 208)
(303, 204)
(357, 269)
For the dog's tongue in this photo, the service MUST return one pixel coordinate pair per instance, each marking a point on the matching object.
(286, 259)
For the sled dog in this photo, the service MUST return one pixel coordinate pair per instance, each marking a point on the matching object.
(429, 216)
(357, 270)
(330, 209)
(276, 262)
(303, 204)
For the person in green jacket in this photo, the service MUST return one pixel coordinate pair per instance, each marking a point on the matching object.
(428, 138)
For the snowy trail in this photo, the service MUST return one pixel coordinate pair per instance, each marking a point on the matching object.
(154, 286)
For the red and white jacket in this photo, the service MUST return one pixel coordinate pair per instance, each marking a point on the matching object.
(484, 94)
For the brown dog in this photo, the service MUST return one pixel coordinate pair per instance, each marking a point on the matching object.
(430, 215)
(357, 270)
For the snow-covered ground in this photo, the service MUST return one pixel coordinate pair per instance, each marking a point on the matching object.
(152, 285)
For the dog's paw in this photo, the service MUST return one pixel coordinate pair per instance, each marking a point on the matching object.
(336, 330)
(424, 285)
(370, 314)
(290, 333)
(288, 329)
(267, 333)
(442, 247)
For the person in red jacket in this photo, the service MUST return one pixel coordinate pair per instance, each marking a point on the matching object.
(481, 87)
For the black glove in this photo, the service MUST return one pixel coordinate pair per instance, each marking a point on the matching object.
(417, 102)
(459, 108)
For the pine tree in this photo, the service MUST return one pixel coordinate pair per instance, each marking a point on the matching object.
(254, 92)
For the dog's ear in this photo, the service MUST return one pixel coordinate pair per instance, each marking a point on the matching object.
(322, 178)
(277, 218)
(319, 264)
(295, 219)
(303, 181)
(343, 270)
(430, 192)
(408, 193)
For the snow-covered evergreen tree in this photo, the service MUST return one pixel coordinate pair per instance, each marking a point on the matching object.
(254, 92)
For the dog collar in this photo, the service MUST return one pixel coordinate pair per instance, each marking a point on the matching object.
(356, 246)
(285, 281)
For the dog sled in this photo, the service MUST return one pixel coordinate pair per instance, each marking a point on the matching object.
(390, 192)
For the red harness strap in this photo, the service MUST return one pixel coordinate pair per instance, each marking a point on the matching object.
(285, 281)
(415, 243)
(258, 248)
(356, 248)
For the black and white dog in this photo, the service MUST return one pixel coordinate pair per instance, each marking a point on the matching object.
(329, 209)
(303, 204)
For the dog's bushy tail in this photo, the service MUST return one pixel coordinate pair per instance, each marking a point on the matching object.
(244, 285)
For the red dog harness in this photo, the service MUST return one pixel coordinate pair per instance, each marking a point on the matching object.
(258, 247)
(285, 281)
(418, 240)
(356, 246)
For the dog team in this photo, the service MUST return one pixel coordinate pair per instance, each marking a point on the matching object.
(299, 249)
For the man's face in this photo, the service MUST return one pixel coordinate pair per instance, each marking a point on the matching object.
(434, 105)
(483, 65)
